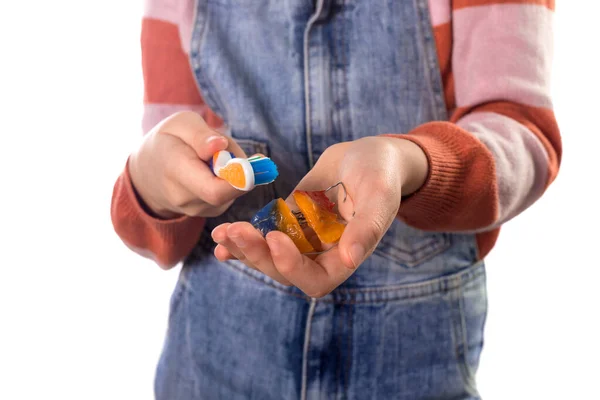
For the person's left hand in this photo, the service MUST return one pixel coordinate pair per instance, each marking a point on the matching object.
(376, 172)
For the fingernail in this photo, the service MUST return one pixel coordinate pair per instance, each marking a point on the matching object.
(357, 252)
(212, 235)
(274, 246)
(238, 240)
(213, 138)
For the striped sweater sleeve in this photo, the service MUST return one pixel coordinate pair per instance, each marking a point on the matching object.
(501, 148)
(169, 87)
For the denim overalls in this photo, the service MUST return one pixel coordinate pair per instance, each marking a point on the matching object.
(290, 78)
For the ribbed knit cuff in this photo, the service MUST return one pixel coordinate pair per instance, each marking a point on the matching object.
(460, 169)
(165, 241)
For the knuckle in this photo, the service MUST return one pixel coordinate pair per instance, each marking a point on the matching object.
(250, 259)
(381, 183)
(377, 227)
(203, 209)
(210, 212)
(194, 210)
(209, 197)
(215, 198)
(367, 140)
(332, 149)
(186, 116)
(286, 269)
(252, 255)
(318, 293)
(188, 212)
(177, 199)
(197, 139)
(164, 182)
(172, 166)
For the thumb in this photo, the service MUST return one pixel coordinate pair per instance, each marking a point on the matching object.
(373, 215)
(207, 143)
(191, 128)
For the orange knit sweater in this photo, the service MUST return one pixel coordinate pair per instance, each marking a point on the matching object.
(495, 157)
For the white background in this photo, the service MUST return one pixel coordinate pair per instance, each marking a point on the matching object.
(82, 317)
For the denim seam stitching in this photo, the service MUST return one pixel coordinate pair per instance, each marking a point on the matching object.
(306, 348)
(428, 251)
(449, 286)
(297, 295)
(258, 279)
(198, 35)
(455, 348)
(349, 351)
(444, 288)
(345, 63)
(335, 79)
(432, 64)
(307, 81)
(190, 353)
(462, 278)
(338, 366)
(466, 372)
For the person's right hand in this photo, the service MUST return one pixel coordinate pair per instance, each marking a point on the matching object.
(170, 170)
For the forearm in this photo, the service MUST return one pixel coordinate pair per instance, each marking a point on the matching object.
(494, 158)
(169, 87)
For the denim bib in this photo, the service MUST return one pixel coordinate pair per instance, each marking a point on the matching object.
(289, 79)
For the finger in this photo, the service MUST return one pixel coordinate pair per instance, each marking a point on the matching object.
(191, 128)
(220, 236)
(309, 276)
(235, 148)
(255, 249)
(196, 177)
(372, 214)
(222, 254)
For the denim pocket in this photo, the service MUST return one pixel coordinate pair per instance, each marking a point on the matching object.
(409, 247)
(469, 317)
(181, 286)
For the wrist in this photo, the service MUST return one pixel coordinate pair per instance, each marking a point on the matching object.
(143, 199)
(414, 164)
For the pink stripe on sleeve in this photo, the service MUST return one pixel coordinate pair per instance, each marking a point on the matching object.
(440, 11)
(154, 113)
(164, 10)
(503, 52)
(521, 162)
(177, 12)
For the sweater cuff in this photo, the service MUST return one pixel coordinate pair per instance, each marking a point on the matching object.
(164, 241)
(461, 169)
